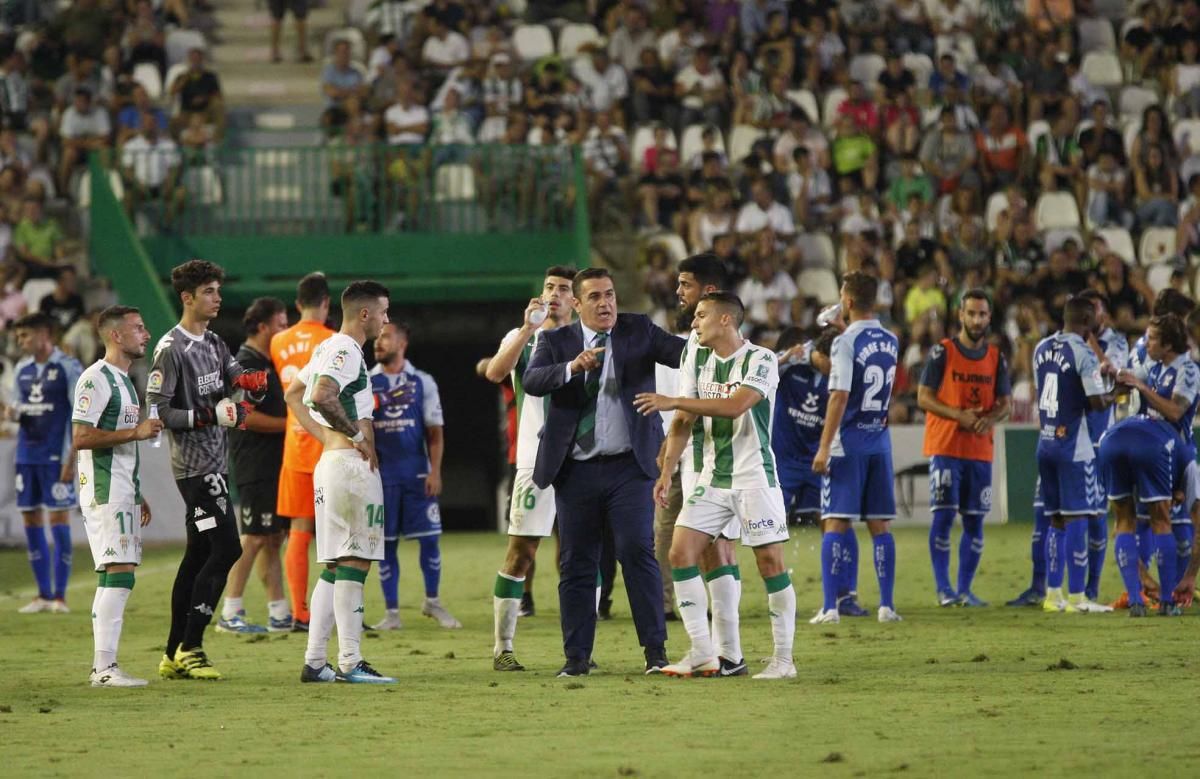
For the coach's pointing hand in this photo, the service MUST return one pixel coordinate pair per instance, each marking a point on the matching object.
(588, 360)
(648, 403)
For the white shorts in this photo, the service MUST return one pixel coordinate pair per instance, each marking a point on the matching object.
(759, 513)
(687, 481)
(531, 512)
(348, 503)
(114, 532)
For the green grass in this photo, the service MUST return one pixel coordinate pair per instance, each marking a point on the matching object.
(947, 692)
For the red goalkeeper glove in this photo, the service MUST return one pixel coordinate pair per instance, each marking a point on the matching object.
(252, 381)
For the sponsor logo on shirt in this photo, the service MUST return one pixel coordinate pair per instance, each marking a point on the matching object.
(716, 389)
(210, 383)
(155, 381)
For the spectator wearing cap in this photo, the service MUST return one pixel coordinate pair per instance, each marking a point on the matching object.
(38, 241)
(948, 155)
(652, 91)
(445, 48)
(631, 38)
(604, 80)
(1002, 149)
(199, 93)
(503, 92)
(702, 90)
(151, 164)
(299, 8)
(84, 127)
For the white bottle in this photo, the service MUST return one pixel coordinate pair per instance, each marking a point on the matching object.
(155, 442)
(539, 316)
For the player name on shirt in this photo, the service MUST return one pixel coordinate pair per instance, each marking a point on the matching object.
(872, 348)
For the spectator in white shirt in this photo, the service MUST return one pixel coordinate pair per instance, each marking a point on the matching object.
(763, 212)
(605, 81)
(702, 90)
(451, 127)
(150, 162)
(83, 128)
(407, 120)
(764, 284)
(444, 48)
(677, 46)
(630, 38)
(1107, 196)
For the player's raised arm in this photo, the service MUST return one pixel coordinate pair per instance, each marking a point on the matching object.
(509, 353)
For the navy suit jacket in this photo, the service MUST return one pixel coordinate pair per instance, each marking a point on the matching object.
(637, 345)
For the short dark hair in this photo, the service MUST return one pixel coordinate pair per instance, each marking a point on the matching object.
(1096, 296)
(976, 293)
(112, 316)
(706, 267)
(862, 289)
(35, 321)
(401, 327)
(1172, 301)
(1171, 332)
(193, 274)
(313, 290)
(359, 292)
(585, 275)
(261, 311)
(560, 271)
(823, 343)
(729, 301)
(1079, 312)
(789, 338)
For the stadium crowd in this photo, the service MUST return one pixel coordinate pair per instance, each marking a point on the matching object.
(1031, 148)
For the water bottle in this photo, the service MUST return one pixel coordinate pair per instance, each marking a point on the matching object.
(155, 442)
(539, 316)
(829, 314)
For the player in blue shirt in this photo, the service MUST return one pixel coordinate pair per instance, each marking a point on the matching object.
(1115, 348)
(855, 453)
(1170, 391)
(800, 405)
(1139, 457)
(408, 438)
(45, 479)
(1068, 384)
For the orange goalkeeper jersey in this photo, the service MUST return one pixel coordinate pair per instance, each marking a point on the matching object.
(290, 351)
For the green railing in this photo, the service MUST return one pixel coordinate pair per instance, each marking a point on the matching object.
(434, 223)
(373, 188)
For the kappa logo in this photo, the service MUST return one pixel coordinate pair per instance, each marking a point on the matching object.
(359, 610)
(205, 609)
(88, 385)
(110, 552)
(685, 603)
(199, 512)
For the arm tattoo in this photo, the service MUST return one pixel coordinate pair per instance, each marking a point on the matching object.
(331, 409)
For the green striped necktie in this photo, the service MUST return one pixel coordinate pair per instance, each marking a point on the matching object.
(585, 430)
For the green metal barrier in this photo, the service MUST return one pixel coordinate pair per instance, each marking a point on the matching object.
(119, 255)
(432, 222)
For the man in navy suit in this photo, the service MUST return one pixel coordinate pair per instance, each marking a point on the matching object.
(600, 455)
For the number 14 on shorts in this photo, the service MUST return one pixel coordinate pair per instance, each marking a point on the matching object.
(374, 515)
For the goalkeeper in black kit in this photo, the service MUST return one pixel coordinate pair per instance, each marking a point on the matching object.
(190, 384)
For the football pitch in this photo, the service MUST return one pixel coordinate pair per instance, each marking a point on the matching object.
(950, 692)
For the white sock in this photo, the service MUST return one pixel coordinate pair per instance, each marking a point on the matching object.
(505, 611)
(782, 607)
(320, 624)
(231, 608)
(348, 611)
(691, 601)
(110, 616)
(726, 593)
(277, 609)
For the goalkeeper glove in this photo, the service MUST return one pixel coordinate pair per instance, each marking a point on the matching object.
(226, 414)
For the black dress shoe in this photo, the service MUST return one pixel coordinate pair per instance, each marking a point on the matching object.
(604, 613)
(574, 668)
(656, 659)
(671, 616)
(527, 607)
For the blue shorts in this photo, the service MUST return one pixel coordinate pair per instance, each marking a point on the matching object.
(38, 487)
(960, 485)
(802, 493)
(859, 487)
(408, 513)
(1068, 487)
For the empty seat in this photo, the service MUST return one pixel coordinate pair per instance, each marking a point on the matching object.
(574, 36)
(1102, 69)
(1134, 100)
(1157, 246)
(921, 66)
(805, 99)
(819, 283)
(741, 140)
(533, 41)
(833, 99)
(180, 42)
(1096, 34)
(1186, 133)
(1159, 277)
(672, 243)
(996, 204)
(816, 250)
(148, 76)
(866, 68)
(1056, 209)
(1120, 242)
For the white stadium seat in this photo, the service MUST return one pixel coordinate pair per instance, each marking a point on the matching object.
(1096, 34)
(533, 41)
(643, 138)
(693, 142)
(1158, 245)
(1159, 276)
(741, 140)
(866, 68)
(148, 76)
(1102, 69)
(816, 250)
(1056, 209)
(573, 37)
(819, 283)
(833, 99)
(805, 99)
(1120, 242)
